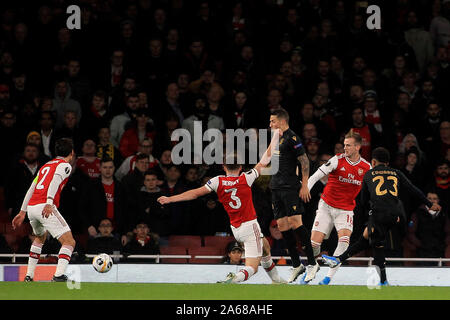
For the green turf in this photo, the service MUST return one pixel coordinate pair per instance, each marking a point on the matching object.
(152, 291)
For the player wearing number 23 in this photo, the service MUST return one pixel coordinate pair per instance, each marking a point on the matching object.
(380, 192)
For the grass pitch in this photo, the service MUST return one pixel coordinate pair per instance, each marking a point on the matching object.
(156, 291)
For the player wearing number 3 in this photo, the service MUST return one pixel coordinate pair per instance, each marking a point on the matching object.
(41, 203)
(346, 172)
(234, 192)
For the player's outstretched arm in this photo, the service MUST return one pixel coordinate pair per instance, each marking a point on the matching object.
(185, 196)
(267, 156)
(323, 170)
(405, 182)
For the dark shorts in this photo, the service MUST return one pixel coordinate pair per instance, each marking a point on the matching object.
(381, 223)
(286, 203)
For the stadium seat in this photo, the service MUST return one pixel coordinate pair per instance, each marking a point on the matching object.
(206, 251)
(13, 241)
(82, 240)
(173, 251)
(218, 242)
(185, 241)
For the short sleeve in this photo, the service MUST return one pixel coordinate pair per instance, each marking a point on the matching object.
(251, 176)
(297, 145)
(213, 184)
(63, 169)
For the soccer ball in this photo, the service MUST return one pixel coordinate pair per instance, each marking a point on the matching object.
(102, 263)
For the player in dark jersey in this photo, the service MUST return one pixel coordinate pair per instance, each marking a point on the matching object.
(286, 191)
(380, 194)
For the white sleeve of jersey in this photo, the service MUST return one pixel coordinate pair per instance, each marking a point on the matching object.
(29, 194)
(62, 172)
(213, 184)
(251, 176)
(323, 170)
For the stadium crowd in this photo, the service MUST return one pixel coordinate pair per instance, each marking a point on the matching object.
(138, 70)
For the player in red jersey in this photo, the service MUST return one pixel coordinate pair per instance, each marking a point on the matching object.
(234, 192)
(345, 174)
(41, 203)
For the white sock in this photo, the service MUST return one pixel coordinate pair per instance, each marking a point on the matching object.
(316, 248)
(244, 274)
(268, 265)
(340, 249)
(35, 253)
(63, 259)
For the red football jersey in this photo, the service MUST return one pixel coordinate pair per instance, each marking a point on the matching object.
(90, 168)
(344, 181)
(235, 193)
(45, 176)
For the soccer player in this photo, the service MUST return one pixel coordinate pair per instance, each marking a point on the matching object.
(234, 192)
(286, 191)
(41, 204)
(345, 174)
(380, 192)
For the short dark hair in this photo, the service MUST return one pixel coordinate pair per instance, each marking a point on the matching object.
(141, 156)
(106, 158)
(150, 173)
(231, 162)
(280, 113)
(63, 147)
(381, 154)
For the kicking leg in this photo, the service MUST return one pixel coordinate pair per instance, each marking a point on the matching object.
(268, 264)
(65, 253)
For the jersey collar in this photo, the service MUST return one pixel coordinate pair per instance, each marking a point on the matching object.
(352, 163)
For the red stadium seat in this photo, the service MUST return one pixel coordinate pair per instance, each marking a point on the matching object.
(218, 242)
(185, 241)
(206, 251)
(173, 251)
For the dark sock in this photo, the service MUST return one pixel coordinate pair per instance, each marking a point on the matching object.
(291, 245)
(359, 246)
(305, 237)
(380, 261)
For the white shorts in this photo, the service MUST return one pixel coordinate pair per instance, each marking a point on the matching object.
(54, 224)
(327, 217)
(250, 234)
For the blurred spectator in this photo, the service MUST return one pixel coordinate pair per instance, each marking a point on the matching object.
(128, 165)
(179, 212)
(412, 168)
(427, 232)
(144, 242)
(105, 148)
(119, 122)
(367, 132)
(141, 127)
(202, 114)
(119, 96)
(88, 161)
(96, 115)
(78, 82)
(20, 176)
(134, 180)
(47, 125)
(70, 130)
(62, 102)
(102, 198)
(149, 210)
(440, 181)
(10, 139)
(104, 241)
(234, 252)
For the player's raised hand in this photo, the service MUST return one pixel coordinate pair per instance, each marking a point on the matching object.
(163, 200)
(304, 194)
(47, 211)
(18, 219)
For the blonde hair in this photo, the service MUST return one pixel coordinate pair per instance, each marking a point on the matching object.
(355, 135)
